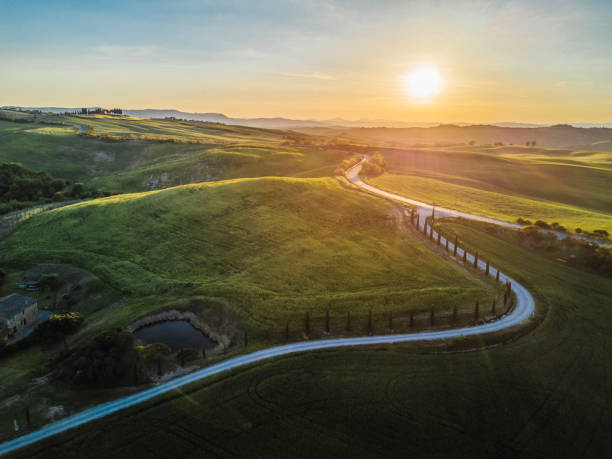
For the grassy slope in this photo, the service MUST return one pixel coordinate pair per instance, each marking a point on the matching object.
(130, 164)
(553, 185)
(543, 395)
(271, 248)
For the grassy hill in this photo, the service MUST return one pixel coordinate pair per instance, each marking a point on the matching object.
(243, 255)
(543, 395)
(269, 248)
(554, 185)
(130, 154)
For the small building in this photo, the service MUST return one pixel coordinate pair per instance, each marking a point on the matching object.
(18, 312)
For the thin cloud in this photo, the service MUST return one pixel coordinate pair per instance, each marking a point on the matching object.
(309, 76)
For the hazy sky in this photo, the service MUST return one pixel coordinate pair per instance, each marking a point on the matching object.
(528, 61)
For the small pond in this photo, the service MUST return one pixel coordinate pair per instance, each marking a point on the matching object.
(176, 334)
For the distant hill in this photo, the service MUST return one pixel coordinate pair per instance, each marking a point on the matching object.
(287, 123)
(562, 135)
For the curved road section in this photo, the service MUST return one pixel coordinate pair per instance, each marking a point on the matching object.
(524, 309)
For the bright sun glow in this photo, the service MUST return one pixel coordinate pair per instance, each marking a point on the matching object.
(423, 83)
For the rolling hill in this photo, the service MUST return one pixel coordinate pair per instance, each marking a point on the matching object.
(131, 154)
(270, 249)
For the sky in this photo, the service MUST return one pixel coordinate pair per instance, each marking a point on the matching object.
(522, 61)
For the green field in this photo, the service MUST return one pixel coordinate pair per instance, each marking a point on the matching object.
(269, 248)
(244, 255)
(545, 394)
(564, 186)
(268, 238)
(131, 154)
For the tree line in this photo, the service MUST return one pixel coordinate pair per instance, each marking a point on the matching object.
(21, 188)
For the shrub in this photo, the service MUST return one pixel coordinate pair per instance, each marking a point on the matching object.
(109, 360)
(58, 326)
(187, 354)
(77, 189)
(51, 281)
(374, 166)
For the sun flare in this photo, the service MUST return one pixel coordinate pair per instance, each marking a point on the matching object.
(423, 83)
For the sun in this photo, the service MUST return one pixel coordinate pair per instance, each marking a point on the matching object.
(423, 83)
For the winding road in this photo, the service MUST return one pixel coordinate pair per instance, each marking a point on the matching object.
(424, 209)
(523, 309)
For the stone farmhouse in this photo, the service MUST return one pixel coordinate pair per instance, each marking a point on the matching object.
(18, 312)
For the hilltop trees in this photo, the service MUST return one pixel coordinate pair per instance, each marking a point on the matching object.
(374, 166)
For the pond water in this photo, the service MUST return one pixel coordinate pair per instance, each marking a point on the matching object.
(176, 334)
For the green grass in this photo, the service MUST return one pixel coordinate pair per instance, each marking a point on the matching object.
(131, 154)
(491, 204)
(245, 254)
(545, 394)
(563, 186)
(269, 248)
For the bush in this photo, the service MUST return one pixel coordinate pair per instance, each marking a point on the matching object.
(58, 326)
(109, 360)
(374, 166)
(51, 281)
(77, 189)
(187, 354)
(542, 224)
